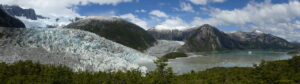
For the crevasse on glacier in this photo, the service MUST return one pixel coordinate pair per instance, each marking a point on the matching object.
(77, 49)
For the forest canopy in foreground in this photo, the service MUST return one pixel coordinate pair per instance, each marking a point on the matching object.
(275, 72)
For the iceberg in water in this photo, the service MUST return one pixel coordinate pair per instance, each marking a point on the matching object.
(79, 50)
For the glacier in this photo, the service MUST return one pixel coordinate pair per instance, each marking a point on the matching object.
(163, 47)
(79, 50)
(43, 23)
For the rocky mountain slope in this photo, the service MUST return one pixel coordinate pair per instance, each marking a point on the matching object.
(79, 50)
(7, 20)
(260, 40)
(209, 38)
(117, 30)
(18, 11)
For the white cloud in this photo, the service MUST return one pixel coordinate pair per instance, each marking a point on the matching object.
(58, 8)
(204, 2)
(173, 23)
(220, 1)
(198, 21)
(279, 19)
(186, 7)
(132, 18)
(141, 11)
(101, 13)
(158, 13)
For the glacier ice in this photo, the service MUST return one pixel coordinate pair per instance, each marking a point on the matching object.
(163, 47)
(42, 23)
(80, 50)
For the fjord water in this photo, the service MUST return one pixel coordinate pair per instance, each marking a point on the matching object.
(233, 58)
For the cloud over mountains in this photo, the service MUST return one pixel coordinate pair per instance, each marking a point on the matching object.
(59, 8)
(281, 18)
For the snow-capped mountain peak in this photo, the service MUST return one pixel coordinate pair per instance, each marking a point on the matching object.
(258, 32)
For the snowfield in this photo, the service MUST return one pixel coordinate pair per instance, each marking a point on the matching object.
(79, 50)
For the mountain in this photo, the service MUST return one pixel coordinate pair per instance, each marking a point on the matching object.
(173, 34)
(260, 40)
(18, 11)
(208, 38)
(117, 30)
(77, 49)
(7, 20)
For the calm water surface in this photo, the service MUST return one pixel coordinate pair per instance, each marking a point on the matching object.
(233, 58)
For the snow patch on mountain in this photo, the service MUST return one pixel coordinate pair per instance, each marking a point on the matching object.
(77, 49)
(258, 32)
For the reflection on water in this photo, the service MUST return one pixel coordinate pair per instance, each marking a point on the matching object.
(234, 58)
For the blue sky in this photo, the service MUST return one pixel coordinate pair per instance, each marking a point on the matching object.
(166, 6)
(169, 7)
(277, 17)
(226, 15)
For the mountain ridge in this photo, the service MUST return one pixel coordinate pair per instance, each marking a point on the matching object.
(209, 38)
(172, 34)
(7, 20)
(15, 10)
(117, 30)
